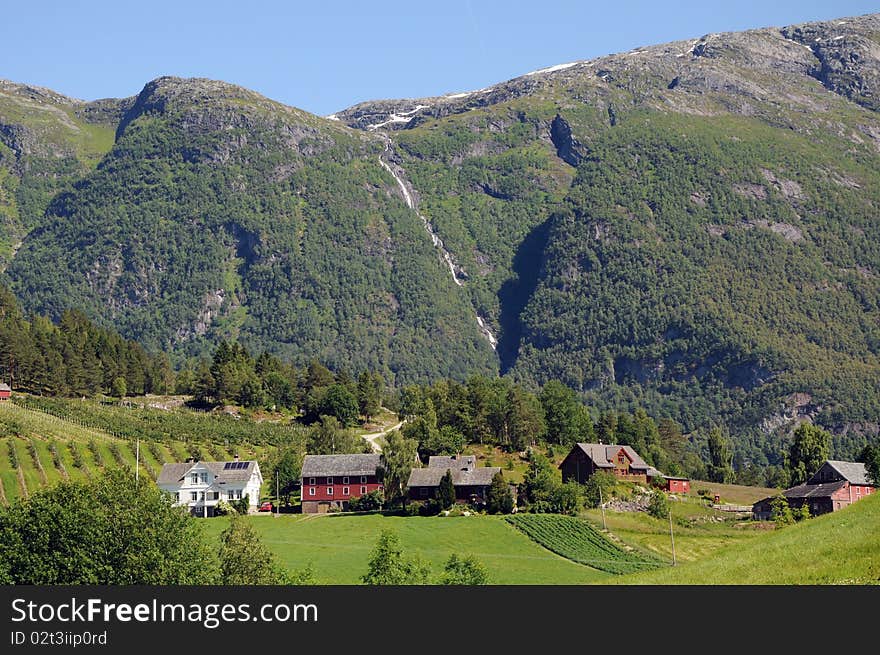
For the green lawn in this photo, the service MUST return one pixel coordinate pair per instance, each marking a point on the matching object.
(838, 548)
(339, 546)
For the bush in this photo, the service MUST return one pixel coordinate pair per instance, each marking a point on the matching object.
(369, 502)
(413, 508)
(780, 511)
(658, 507)
(242, 505)
(598, 487)
(430, 507)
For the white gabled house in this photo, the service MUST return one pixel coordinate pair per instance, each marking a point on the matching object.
(201, 485)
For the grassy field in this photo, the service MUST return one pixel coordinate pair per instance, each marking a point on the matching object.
(838, 548)
(339, 546)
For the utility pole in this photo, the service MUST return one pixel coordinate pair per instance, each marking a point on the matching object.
(277, 496)
(137, 461)
(602, 505)
(672, 537)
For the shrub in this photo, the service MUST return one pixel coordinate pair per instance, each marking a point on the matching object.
(369, 502)
(599, 487)
(780, 511)
(658, 507)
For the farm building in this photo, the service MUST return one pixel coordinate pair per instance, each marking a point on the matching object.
(201, 485)
(588, 458)
(674, 484)
(834, 486)
(5, 391)
(330, 481)
(471, 482)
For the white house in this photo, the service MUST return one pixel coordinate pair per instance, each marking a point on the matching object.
(201, 485)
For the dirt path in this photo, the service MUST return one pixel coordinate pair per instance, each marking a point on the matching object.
(372, 437)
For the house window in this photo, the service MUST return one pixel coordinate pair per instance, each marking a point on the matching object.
(311, 480)
(345, 491)
(231, 495)
(329, 491)
(204, 477)
(177, 496)
(363, 490)
(238, 494)
(193, 495)
(363, 479)
(423, 492)
(329, 480)
(311, 491)
(194, 478)
(345, 479)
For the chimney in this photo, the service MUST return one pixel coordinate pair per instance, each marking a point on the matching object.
(235, 458)
(190, 460)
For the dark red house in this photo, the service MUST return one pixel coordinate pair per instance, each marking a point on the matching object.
(471, 482)
(332, 480)
(588, 458)
(834, 486)
(5, 391)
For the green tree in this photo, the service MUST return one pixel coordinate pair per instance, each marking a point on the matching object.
(286, 469)
(540, 480)
(108, 531)
(467, 570)
(340, 403)
(244, 559)
(369, 393)
(499, 499)
(567, 419)
(446, 491)
(399, 455)
(119, 388)
(524, 419)
(389, 566)
(720, 467)
(810, 447)
(870, 457)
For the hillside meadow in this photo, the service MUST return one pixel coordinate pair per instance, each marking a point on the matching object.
(838, 548)
(338, 546)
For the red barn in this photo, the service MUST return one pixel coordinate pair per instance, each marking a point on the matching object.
(834, 486)
(332, 480)
(5, 391)
(677, 485)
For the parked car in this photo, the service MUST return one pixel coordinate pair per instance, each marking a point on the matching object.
(266, 506)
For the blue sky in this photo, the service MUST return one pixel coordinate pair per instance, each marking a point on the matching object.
(325, 56)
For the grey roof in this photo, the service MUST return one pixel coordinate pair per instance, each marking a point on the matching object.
(174, 473)
(330, 465)
(852, 472)
(452, 462)
(814, 490)
(475, 477)
(4, 387)
(603, 455)
(653, 473)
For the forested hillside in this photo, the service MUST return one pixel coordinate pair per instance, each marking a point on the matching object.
(688, 228)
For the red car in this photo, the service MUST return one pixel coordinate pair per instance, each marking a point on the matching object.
(266, 506)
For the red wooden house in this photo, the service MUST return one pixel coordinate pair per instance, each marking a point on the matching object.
(588, 458)
(5, 391)
(330, 481)
(834, 486)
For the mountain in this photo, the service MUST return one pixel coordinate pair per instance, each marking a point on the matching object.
(691, 227)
